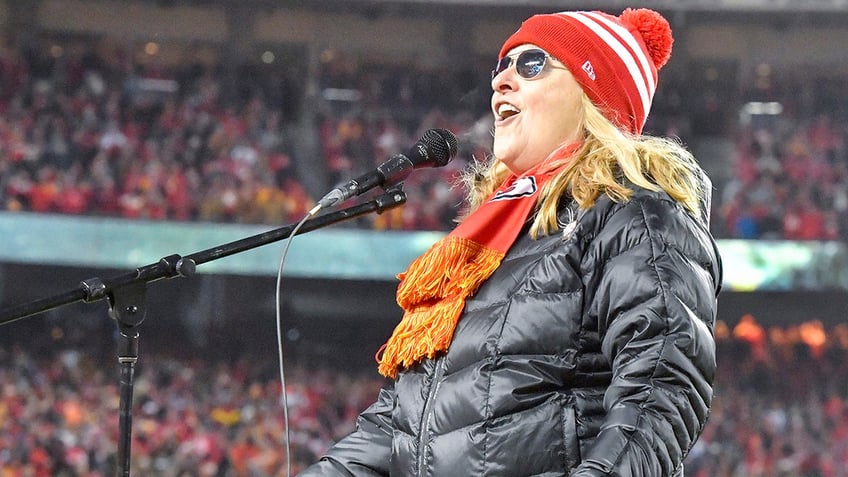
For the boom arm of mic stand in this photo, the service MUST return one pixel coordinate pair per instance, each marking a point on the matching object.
(171, 266)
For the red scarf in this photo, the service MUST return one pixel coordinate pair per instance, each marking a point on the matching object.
(433, 290)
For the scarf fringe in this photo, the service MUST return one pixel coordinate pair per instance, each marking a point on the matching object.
(432, 293)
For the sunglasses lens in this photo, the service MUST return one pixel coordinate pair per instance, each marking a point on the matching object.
(530, 63)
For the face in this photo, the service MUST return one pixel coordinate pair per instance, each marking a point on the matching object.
(533, 117)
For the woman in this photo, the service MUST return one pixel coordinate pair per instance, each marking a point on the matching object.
(566, 326)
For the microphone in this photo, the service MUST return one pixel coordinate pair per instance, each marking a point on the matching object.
(436, 148)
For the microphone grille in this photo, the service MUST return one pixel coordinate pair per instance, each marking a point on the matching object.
(442, 144)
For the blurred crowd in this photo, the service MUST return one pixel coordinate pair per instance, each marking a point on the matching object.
(103, 134)
(95, 134)
(59, 415)
(789, 181)
(98, 132)
(780, 410)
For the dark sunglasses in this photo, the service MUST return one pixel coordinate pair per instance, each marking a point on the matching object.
(528, 63)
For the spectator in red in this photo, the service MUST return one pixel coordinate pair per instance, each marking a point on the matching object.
(803, 219)
(44, 192)
(74, 195)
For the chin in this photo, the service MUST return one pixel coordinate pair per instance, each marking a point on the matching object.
(505, 151)
(505, 159)
(513, 166)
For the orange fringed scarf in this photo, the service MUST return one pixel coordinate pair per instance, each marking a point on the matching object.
(433, 289)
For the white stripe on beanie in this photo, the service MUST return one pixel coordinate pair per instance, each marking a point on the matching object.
(639, 75)
(628, 38)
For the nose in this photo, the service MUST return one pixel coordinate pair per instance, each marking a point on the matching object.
(505, 80)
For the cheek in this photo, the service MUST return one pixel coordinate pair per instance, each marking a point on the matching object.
(556, 123)
(567, 114)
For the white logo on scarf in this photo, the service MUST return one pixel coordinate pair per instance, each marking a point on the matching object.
(522, 187)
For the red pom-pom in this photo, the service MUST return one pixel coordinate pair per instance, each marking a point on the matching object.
(655, 31)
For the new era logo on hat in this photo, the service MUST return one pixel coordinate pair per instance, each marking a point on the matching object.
(587, 67)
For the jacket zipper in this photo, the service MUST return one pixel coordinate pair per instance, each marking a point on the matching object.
(424, 430)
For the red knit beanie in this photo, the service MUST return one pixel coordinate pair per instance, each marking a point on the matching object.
(614, 59)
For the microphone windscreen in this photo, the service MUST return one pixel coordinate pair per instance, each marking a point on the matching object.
(441, 144)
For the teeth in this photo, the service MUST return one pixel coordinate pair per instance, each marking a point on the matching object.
(506, 110)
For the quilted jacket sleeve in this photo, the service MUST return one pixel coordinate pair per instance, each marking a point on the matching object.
(658, 274)
(367, 450)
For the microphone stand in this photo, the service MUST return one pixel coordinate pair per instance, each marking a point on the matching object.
(125, 295)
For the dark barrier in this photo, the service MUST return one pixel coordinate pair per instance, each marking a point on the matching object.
(335, 321)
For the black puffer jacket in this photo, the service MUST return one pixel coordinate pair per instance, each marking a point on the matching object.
(589, 352)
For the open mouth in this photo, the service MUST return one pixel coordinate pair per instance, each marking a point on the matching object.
(506, 111)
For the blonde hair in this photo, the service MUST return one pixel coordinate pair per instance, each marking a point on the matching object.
(607, 160)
